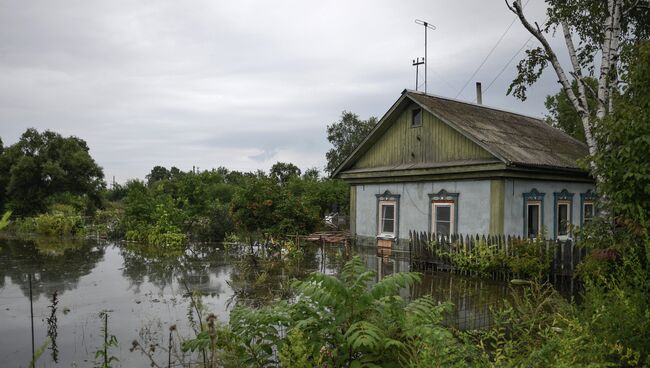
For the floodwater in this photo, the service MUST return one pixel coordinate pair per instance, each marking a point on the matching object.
(144, 294)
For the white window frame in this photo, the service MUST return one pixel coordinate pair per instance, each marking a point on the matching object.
(380, 219)
(539, 217)
(568, 204)
(452, 215)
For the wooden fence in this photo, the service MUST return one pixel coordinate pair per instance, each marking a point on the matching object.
(434, 251)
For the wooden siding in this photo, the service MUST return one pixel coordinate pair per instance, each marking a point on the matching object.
(497, 205)
(433, 141)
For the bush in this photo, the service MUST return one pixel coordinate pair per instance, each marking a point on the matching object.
(481, 259)
(531, 258)
(24, 226)
(58, 224)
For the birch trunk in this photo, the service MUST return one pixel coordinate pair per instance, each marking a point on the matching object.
(606, 80)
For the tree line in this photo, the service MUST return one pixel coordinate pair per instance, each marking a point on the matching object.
(53, 186)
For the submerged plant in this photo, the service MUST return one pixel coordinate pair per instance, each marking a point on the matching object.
(52, 329)
(110, 341)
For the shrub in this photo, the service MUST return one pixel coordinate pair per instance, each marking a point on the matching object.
(59, 224)
(530, 258)
(482, 258)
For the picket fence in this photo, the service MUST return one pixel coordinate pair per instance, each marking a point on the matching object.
(432, 251)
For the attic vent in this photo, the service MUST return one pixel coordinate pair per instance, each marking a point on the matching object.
(416, 117)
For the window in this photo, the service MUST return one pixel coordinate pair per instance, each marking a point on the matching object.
(444, 213)
(587, 211)
(387, 215)
(533, 219)
(563, 218)
(387, 218)
(533, 213)
(416, 117)
(443, 217)
(587, 206)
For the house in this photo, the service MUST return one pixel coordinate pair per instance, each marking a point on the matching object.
(440, 165)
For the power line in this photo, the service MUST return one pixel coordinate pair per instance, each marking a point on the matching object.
(489, 54)
(508, 63)
(511, 59)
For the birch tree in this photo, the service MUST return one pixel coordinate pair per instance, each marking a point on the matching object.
(598, 35)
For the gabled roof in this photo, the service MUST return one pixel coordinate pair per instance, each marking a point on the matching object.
(514, 139)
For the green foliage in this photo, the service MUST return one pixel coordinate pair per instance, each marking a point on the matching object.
(295, 352)
(4, 220)
(58, 223)
(105, 359)
(209, 205)
(345, 135)
(526, 258)
(624, 141)
(43, 166)
(158, 173)
(585, 19)
(258, 332)
(162, 233)
(282, 172)
(349, 322)
(538, 328)
(346, 321)
(562, 114)
(262, 204)
(531, 257)
(109, 223)
(617, 271)
(24, 226)
(482, 259)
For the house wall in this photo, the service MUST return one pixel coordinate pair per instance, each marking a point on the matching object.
(514, 202)
(413, 208)
(478, 202)
(433, 141)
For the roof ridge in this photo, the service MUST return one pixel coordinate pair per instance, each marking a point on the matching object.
(541, 120)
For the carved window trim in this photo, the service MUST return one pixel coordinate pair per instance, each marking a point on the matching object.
(440, 199)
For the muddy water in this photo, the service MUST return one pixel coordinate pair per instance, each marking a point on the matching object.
(146, 293)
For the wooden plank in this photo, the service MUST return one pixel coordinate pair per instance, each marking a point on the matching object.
(438, 143)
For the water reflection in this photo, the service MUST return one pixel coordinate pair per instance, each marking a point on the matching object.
(472, 297)
(55, 266)
(148, 291)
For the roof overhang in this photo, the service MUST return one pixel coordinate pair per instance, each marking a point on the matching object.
(476, 171)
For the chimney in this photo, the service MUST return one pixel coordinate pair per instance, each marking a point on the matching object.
(479, 94)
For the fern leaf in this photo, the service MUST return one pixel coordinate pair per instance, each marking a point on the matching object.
(364, 335)
(391, 284)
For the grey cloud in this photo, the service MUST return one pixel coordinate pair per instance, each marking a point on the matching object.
(240, 84)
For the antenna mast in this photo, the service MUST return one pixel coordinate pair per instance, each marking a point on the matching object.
(427, 26)
(416, 63)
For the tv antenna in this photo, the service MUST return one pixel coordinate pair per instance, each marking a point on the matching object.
(416, 63)
(427, 27)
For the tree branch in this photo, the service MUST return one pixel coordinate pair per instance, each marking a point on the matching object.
(552, 57)
(634, 5)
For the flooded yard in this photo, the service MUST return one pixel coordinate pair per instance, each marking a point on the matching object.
(145, 293)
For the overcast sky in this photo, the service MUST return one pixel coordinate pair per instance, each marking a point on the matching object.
(237, 83)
